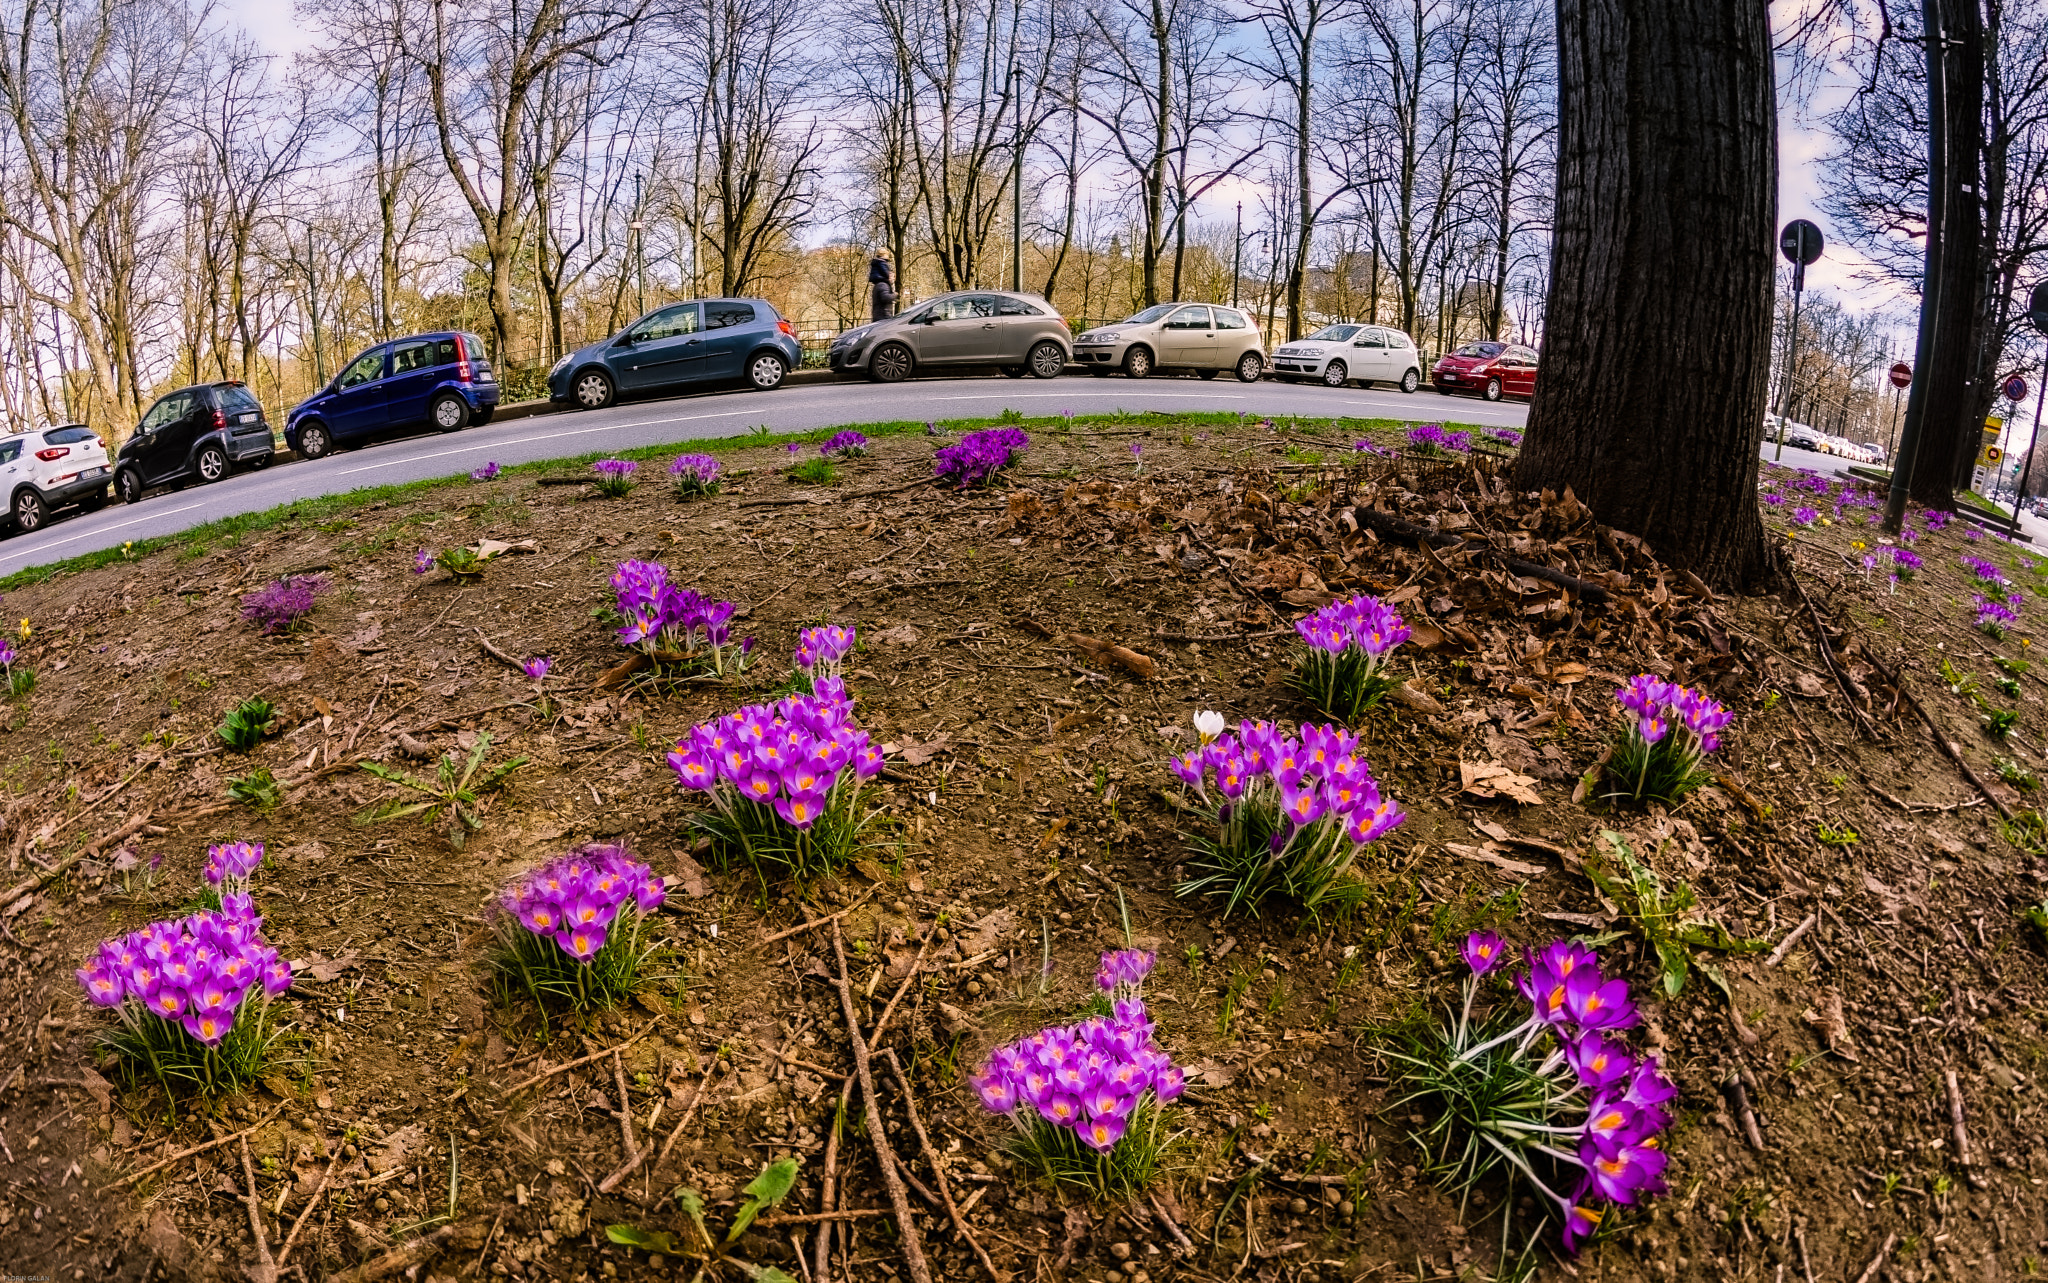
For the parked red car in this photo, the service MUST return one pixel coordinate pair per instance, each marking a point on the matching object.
(1493, 370)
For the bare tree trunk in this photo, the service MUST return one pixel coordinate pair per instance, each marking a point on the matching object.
(1665, 204)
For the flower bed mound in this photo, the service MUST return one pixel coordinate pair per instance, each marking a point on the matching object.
(1825, 942)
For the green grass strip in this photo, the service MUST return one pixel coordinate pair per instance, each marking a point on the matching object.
(350, 503)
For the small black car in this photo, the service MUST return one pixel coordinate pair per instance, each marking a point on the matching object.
(200, 433)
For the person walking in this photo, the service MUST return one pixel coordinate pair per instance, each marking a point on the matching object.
(882, 285)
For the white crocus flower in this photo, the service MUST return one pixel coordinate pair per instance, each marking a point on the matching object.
(1208, 725)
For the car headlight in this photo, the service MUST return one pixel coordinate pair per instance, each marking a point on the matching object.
(560, 365)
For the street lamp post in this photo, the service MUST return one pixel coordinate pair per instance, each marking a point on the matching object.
(1237, 254)
(1801, 243)
(2038, 313)
(1017, 190)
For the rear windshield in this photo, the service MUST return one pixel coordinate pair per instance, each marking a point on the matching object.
(718, 316)
(69, 435)
(474, 346)
(235, 399)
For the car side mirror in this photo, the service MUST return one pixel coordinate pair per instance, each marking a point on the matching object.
(624, 340)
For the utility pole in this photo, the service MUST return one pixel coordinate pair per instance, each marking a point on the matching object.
(2038, 313)
(1930, 293)
(1017, 190)
(1237, 254)
(639, 229)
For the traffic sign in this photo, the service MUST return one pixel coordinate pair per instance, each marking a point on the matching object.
(1800, 241)
(2037, 309)
(1902, 375)
(2015, 388)
(1992, 454)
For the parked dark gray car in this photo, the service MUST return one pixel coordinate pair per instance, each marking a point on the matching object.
(1019, 333)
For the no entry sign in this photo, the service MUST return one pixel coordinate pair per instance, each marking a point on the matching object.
(1902, 375)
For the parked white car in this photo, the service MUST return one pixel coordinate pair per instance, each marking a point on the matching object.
(1346, 353)
(51, 469)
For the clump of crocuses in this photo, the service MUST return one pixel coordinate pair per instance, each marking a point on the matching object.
(1670, 730)
(489, 472)
(193, 994)
(1905, 563)
(1554, 1098)
(787, 783)
(1292, 816)
(569, 932)
(16, 678)
(1995, 614)
(978, 456)
(819, 651)
(672, 625)
(844, 445)
(695, 475)
(1346, 644)
(614, 477)
(1088, 1098)
(283, 604)
(1430, 440)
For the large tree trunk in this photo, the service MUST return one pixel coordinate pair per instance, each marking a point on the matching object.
(1956, 401)
(1667, 168)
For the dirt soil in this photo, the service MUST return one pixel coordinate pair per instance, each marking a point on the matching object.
(1030, 816)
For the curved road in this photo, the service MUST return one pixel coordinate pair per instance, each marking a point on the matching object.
(796, 408)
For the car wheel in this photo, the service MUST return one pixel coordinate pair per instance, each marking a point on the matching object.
(1334, 374)
(128, 486)
(449, 413)
(1046, 360)
(1138, 362)
(212, 464)
(593, 390)
(890, 364)
(1493, 389)
(1249, 367)
(766, 372)
(1207, 374)
(1014, 371)
(1411, 380)
(30, 513)
(314, 443)
(483, 416)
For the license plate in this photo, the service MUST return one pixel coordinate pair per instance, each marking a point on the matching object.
(1448, 378)
(94, 472)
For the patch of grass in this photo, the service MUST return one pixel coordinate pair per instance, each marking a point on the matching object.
(814, 472)
(454, 791)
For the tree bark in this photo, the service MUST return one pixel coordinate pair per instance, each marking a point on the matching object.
(1956, 401)
(1667, 166)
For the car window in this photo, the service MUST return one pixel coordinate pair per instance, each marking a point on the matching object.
(719, 316)
(1480, 350)
(9, 451)
(1008, 306)
(666, 324)
(444, 352)
(169, 410)
(1397, 339)
(368, 366)
(1372, 338)
(237, 400)
(965, 307)
(1229, 320)
(1335, 333)
(413, 354)
(69, 435)
(1189, 318)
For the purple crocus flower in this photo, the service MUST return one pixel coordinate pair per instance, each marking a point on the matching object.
(422, 562)
(488, 472)
(1483, 951)
(536, 668)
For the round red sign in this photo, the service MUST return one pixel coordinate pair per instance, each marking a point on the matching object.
(1902, 375)
(2015, 388)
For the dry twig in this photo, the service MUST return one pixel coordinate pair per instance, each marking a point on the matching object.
(885, 1156)
(312, 1201)
(132, 1177)
(931, 1159)
(265, 1269)
(583, 1060)
(1792, 937)
(1964, 1159)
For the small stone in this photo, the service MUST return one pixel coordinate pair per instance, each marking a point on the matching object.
(382, 1204)
(1299, 1207)
(610, 1270)
(1066, 919)
(974, 987)
(1121, 1251)
(902, 906)
(1346, 1208)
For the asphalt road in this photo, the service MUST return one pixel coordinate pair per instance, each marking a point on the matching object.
(796, 408)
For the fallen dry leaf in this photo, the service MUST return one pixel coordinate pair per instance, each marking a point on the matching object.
(690, 877)
(1139, 665)
(1490, 854)
(1491, 779)
(1832, 1025)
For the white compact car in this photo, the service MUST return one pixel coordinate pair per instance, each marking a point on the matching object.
(1341, 354)
(51, 469)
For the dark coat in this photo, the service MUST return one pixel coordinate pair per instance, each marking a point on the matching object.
(881, 272)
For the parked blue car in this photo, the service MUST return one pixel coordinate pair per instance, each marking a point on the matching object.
(441, 381)
(701, 341)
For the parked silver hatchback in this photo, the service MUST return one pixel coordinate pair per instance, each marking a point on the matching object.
(1020, 333)
(1175, 336)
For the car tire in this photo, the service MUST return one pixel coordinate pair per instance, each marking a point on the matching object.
(30, 512)
(448, 413)
(1249, 367)
(483, 416)
(1046, 360)
(593, 390)
(891, 363)
(211, 465)
(314, 443)
(1014, 371)
(1493, 389)
(1206, 375)
(1411, 380)
(1335, 375)
(766, 372)
(1138, 362)
(128, 487)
